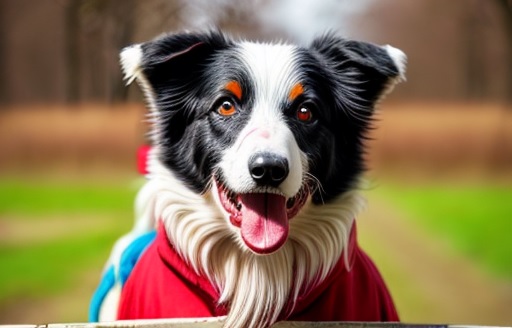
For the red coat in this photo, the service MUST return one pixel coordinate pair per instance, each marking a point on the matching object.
(162, 286)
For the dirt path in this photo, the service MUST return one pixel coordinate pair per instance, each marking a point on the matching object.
(15, 230)
(429, 282)
(69, 306)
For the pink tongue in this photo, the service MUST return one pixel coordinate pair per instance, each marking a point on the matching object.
(264, 222)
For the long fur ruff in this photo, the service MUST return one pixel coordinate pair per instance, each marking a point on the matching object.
(256, 289)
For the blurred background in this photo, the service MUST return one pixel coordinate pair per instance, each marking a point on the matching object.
(439, 220)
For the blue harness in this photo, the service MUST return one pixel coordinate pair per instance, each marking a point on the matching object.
(111, 276)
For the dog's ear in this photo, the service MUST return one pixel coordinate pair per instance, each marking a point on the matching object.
(363, 72)
(172, 59)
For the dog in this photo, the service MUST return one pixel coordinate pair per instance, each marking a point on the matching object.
(249, 207)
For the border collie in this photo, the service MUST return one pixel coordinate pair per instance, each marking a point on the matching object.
(252, 181)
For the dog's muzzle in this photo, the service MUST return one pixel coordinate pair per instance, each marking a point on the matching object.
(263, 215)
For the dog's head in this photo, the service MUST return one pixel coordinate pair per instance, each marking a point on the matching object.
(264, 127)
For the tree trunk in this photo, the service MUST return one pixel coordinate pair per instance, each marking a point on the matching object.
(3, 72)
(72, 44)
(505, 7)
(123, 34)
(473, 51)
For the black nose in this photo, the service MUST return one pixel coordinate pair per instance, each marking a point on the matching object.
(268, 169)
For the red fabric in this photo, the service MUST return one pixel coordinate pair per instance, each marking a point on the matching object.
(142, 159)
(162, 286)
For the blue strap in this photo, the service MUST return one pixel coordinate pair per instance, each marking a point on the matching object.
(107, 282)
(129, 258)
(132, 254)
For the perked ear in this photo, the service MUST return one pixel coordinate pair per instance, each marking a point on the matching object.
(171, 57)
(367, 71)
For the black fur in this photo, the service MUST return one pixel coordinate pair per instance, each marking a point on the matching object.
(343, 81)
(348, 78)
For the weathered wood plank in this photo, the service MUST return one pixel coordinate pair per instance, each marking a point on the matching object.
(218, 322)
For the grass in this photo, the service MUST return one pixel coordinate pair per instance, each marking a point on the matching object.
(476, 219)
(46, 269)
(37, 267)
(44, 198)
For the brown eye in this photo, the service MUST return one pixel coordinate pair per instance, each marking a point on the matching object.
(304, 114)
(226, 109)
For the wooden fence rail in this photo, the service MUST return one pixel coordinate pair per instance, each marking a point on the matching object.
(217, 323)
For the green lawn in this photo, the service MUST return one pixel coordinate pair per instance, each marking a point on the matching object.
(32, 267)
(34, 198)
(476, 219)
(46, 269)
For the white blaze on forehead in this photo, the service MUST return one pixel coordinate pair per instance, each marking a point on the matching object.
(273, 72)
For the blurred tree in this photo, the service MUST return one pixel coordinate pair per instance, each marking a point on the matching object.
(121, 24)
(479, 15)
(505, 7)
(67, 50)
(72, 50)
(95, 31)
(475, 79)
(239, 18)
(3, 75)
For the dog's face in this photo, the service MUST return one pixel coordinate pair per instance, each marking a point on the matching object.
(265, 128)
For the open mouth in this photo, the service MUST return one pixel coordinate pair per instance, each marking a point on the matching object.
(263, 218)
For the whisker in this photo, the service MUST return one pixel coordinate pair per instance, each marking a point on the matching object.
(313, 184)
